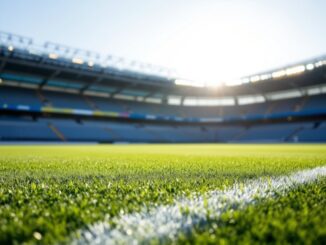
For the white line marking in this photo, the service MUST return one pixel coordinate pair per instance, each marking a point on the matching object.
(164, 222)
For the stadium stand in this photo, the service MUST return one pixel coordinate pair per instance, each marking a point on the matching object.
(317, 133)
(19, 96)
(45, 98)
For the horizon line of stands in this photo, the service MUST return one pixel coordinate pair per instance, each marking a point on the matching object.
(52, 129)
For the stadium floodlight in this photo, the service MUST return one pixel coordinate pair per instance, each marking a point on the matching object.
(318, 64)
(280, 73)
(78, 61)
(310, 66)
(265, 76)
(90, 63)
(53, 56)
(11, 48)
(295, 70)
(184, 82)
(254, 79)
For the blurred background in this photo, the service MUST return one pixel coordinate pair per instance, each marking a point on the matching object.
(162, 71)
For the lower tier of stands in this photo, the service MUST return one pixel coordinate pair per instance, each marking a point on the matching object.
(52, 129)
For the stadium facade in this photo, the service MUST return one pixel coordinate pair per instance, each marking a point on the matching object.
(56, 93)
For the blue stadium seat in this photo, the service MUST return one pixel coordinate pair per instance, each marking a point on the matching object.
(19, 96)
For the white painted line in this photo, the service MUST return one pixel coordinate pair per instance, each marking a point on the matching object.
(164, 222)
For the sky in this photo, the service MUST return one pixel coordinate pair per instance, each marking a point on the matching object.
(204, 40)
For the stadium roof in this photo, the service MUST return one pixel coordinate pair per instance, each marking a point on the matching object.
(63, 54)
(52, 65)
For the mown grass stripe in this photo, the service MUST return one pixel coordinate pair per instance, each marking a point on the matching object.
(164, 222)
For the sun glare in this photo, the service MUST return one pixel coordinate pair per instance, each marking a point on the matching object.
(220, 47)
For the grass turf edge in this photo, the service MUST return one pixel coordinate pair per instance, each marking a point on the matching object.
(296, 218)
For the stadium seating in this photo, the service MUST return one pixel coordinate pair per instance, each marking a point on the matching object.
(313, 134)
(316, 102)
(40, 128)
(274, 132)
(107, 104)
(53, 129)
(32, 97)
(65, 100)
(19, 96)
(19, 129)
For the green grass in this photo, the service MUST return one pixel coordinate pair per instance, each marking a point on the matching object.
(56, 190)
(297, 218)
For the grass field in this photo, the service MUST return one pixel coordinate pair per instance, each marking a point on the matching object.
(48, 194)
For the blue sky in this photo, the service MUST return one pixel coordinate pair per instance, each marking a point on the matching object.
(208, 39)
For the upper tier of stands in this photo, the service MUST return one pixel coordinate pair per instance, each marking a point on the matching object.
(23, 96)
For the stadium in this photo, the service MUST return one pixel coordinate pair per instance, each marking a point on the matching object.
(99, 149)
(47, 97)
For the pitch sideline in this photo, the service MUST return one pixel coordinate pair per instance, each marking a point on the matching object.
(164, 222)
